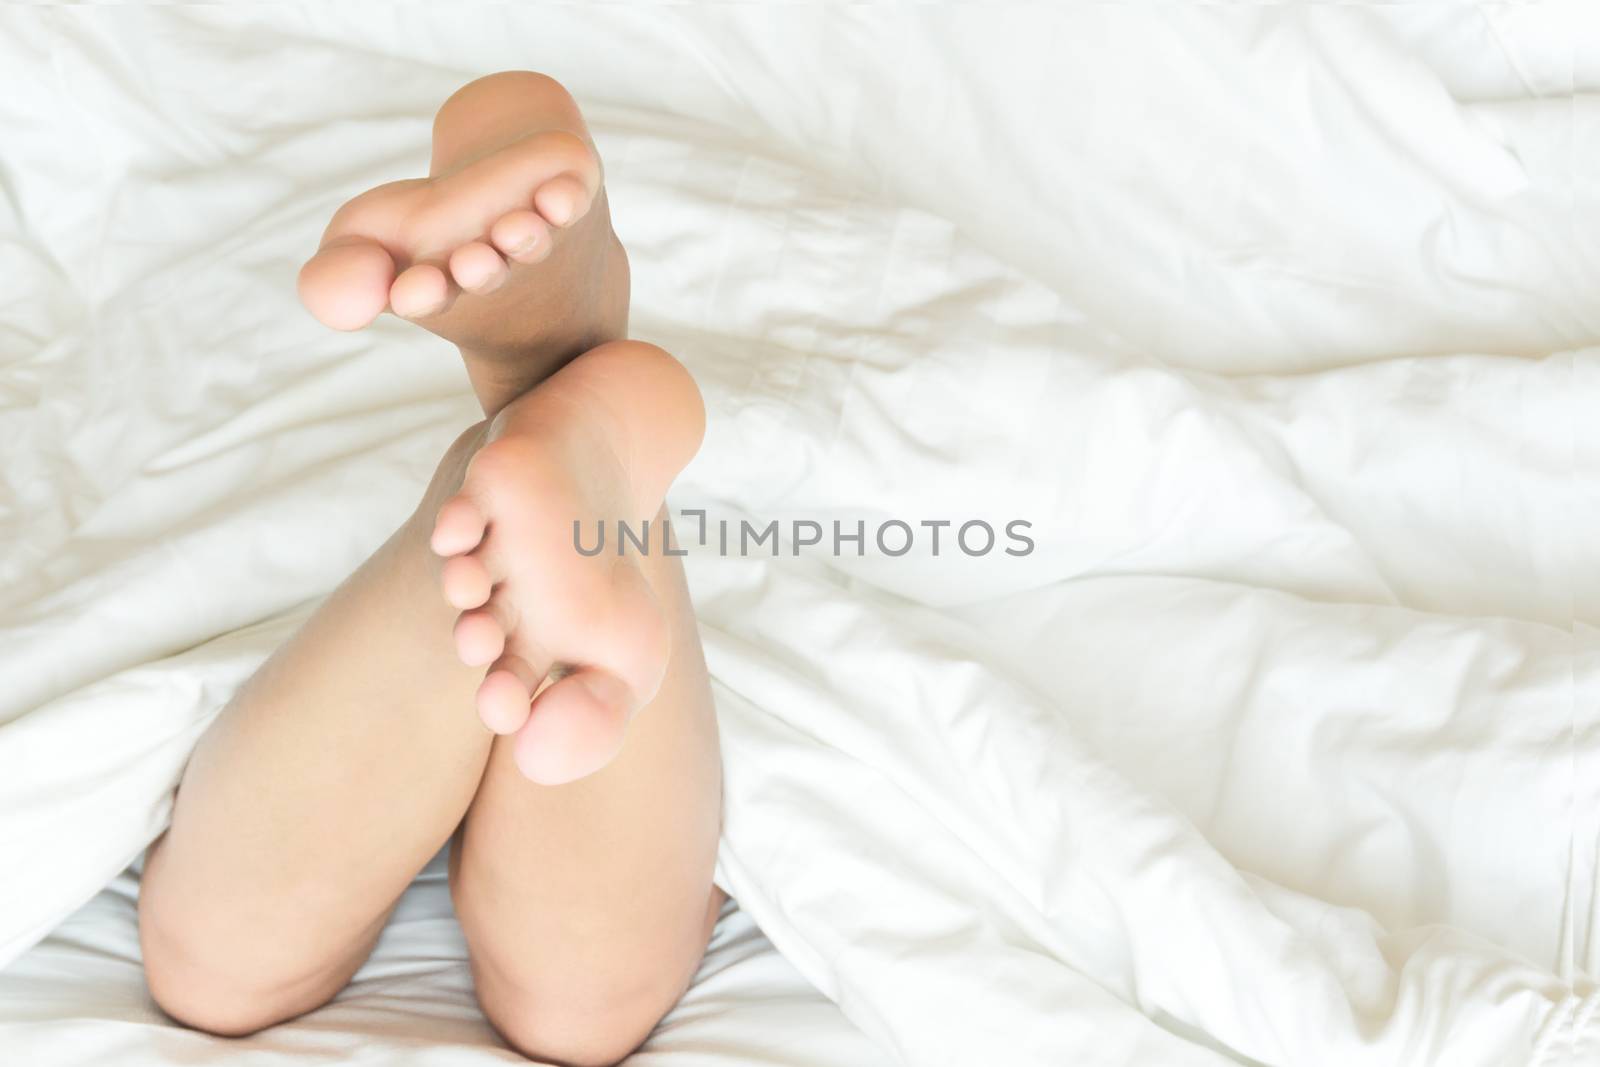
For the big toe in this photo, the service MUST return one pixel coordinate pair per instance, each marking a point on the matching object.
(576, 727)
(346, 284)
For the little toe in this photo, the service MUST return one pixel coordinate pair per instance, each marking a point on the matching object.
(420, 291)
(458, 527)
(346, 284)
(477, 268)
(479, 638)
(562, 200)
(575, 727)
(522, 235)
(465, 582)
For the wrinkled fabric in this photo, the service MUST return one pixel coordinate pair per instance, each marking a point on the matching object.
(1276, 325)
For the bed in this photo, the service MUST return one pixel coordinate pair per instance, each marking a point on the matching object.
(1276, 325)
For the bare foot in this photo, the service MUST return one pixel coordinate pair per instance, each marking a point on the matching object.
(506, 249)
(575, 644)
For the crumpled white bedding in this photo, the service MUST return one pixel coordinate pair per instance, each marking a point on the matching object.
(1278, 325)
(79, 998)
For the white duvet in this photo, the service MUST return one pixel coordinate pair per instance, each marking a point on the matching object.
(1277, 324)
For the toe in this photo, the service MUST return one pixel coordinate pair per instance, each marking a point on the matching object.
(458, 528)
(502, 702)
(465, 582)
(346, 284)
(562, 200)
(420, 291)
(522, 235)
(575, 727)
(479, 638)
(477, 268)
(505, 693)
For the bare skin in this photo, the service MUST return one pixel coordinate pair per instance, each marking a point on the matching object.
(355, 752)
(506, 250)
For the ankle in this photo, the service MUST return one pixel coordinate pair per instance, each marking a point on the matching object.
(501, 374)
(496, 382)
(447, 477)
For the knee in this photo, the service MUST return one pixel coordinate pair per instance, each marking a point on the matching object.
(201, 1000)
(225, 997)
(570, 1028)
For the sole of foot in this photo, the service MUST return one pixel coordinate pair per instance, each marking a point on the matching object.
(574, 644)
(506, 249)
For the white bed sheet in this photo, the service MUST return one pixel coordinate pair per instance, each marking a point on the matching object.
(80, 998)
(1277, 323)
